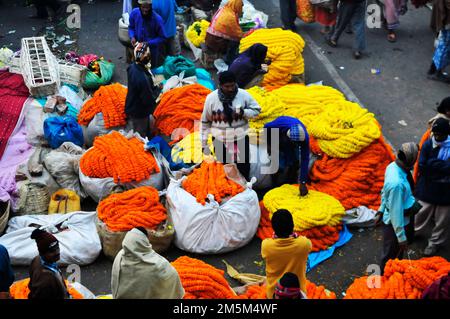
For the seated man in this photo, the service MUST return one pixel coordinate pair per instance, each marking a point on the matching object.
(286, 252)
(288, 287)
(140, 273)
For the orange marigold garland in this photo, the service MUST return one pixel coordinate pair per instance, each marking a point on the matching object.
(402, 279)
(312, 292)
(202, 281)
(180, 108)
(355, 181)
(133, 208)
(20, 290)
(110, 101)
(210, 178)
(113, 155)
(321, 237)
(424, 138)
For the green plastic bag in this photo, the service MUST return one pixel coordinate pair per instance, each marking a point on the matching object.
(93, 81)
(174, 65)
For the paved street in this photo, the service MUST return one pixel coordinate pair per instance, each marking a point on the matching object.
(400, 92)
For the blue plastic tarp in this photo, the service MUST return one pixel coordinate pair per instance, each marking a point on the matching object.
(317, 257)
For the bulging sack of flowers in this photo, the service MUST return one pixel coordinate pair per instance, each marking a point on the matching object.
(211, 213)
(120, 159)
(139, 207)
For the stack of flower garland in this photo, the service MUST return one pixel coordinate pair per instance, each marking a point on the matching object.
(139, 207)
(180, 108)
(402, 279)
(20, 290)
(113, 155)
(312, 292)
(189, 149)
(196, 33)
(317, 216)
(284, 50)
(110, 101)
(210, 178)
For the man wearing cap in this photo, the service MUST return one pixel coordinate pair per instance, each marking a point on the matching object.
(147, 26)
(433, 186)
(225, 115)
(398, 204)
(293, 150)
(46, 279)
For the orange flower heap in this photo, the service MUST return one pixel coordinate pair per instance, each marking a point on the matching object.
(202, 281)
(180, 108)
(210, 178)
(110, 101)
(402, 279)
(113, 155)
(133, 208)
(355, 181)
(312, 292)
(20, 290)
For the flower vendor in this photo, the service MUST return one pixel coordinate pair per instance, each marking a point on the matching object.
(397, 203)
(142, 93)
(288, 287)
(147, 26)
(46, 279)
(249, 67)
(6, 273)
(293, 150)
(224, 32)
(225, 115)
(166, 9)
(433, 186)
(285, 252)
(140, 273)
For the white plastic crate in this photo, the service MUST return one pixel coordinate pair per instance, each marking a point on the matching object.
(71, 73)
(39, 67)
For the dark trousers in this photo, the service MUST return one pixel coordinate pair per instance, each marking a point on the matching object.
(243, 163)
(354, 13)
(41, 7)
(391, 247)
(288, 9)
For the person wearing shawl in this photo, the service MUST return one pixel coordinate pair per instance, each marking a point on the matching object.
(46, 279)
(288, 287)
(433, 187)
(285, 252)
(224, 32)
(147, 26)
(398, 204)
(142, 93)
(225, 115)
(6, 273)
(440, 289)
(293, 150)
(249, 67)
(139, 272)
(166, 9)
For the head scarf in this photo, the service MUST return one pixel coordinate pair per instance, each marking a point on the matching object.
(248, 63)
(288, 287)
(141, 51)
(282, 223)
(257, 53)
(44, 240)
(441, 126)
(407, 155)
(225, 23)
(297, 133)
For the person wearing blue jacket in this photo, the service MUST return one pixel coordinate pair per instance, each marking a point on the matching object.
(6, 273)
(396, 201)
(147, 26)
(433, 187)
(293, 148)
(166, 9)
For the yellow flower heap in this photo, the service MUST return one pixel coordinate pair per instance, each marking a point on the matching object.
(313, 210)
(196, 33)
(344, 129)
(189, 149)
(284, 50)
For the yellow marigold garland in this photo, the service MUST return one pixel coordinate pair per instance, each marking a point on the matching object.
(189, 149)
(196, 33)
(313, 210)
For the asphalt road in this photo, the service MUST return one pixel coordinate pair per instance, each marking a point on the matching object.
(400, 92)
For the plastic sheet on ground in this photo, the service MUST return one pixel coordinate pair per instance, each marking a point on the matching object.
(316, 258)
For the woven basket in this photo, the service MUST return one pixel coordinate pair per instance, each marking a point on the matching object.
(33, 199)
(72, 73)
(4, 215)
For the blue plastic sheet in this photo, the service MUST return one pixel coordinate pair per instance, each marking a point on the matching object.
(317, 257)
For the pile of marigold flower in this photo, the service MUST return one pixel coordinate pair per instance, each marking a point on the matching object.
(139, 207)
(402, 279)
(312, 292)
(108, 100)
(210, 178)
(20, 290)
(114, 155)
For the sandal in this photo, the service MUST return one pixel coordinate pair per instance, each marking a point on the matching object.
(391, 37)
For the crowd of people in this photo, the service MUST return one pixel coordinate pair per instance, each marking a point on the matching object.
(408, 206)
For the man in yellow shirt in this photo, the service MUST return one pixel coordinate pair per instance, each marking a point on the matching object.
(286, 252)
